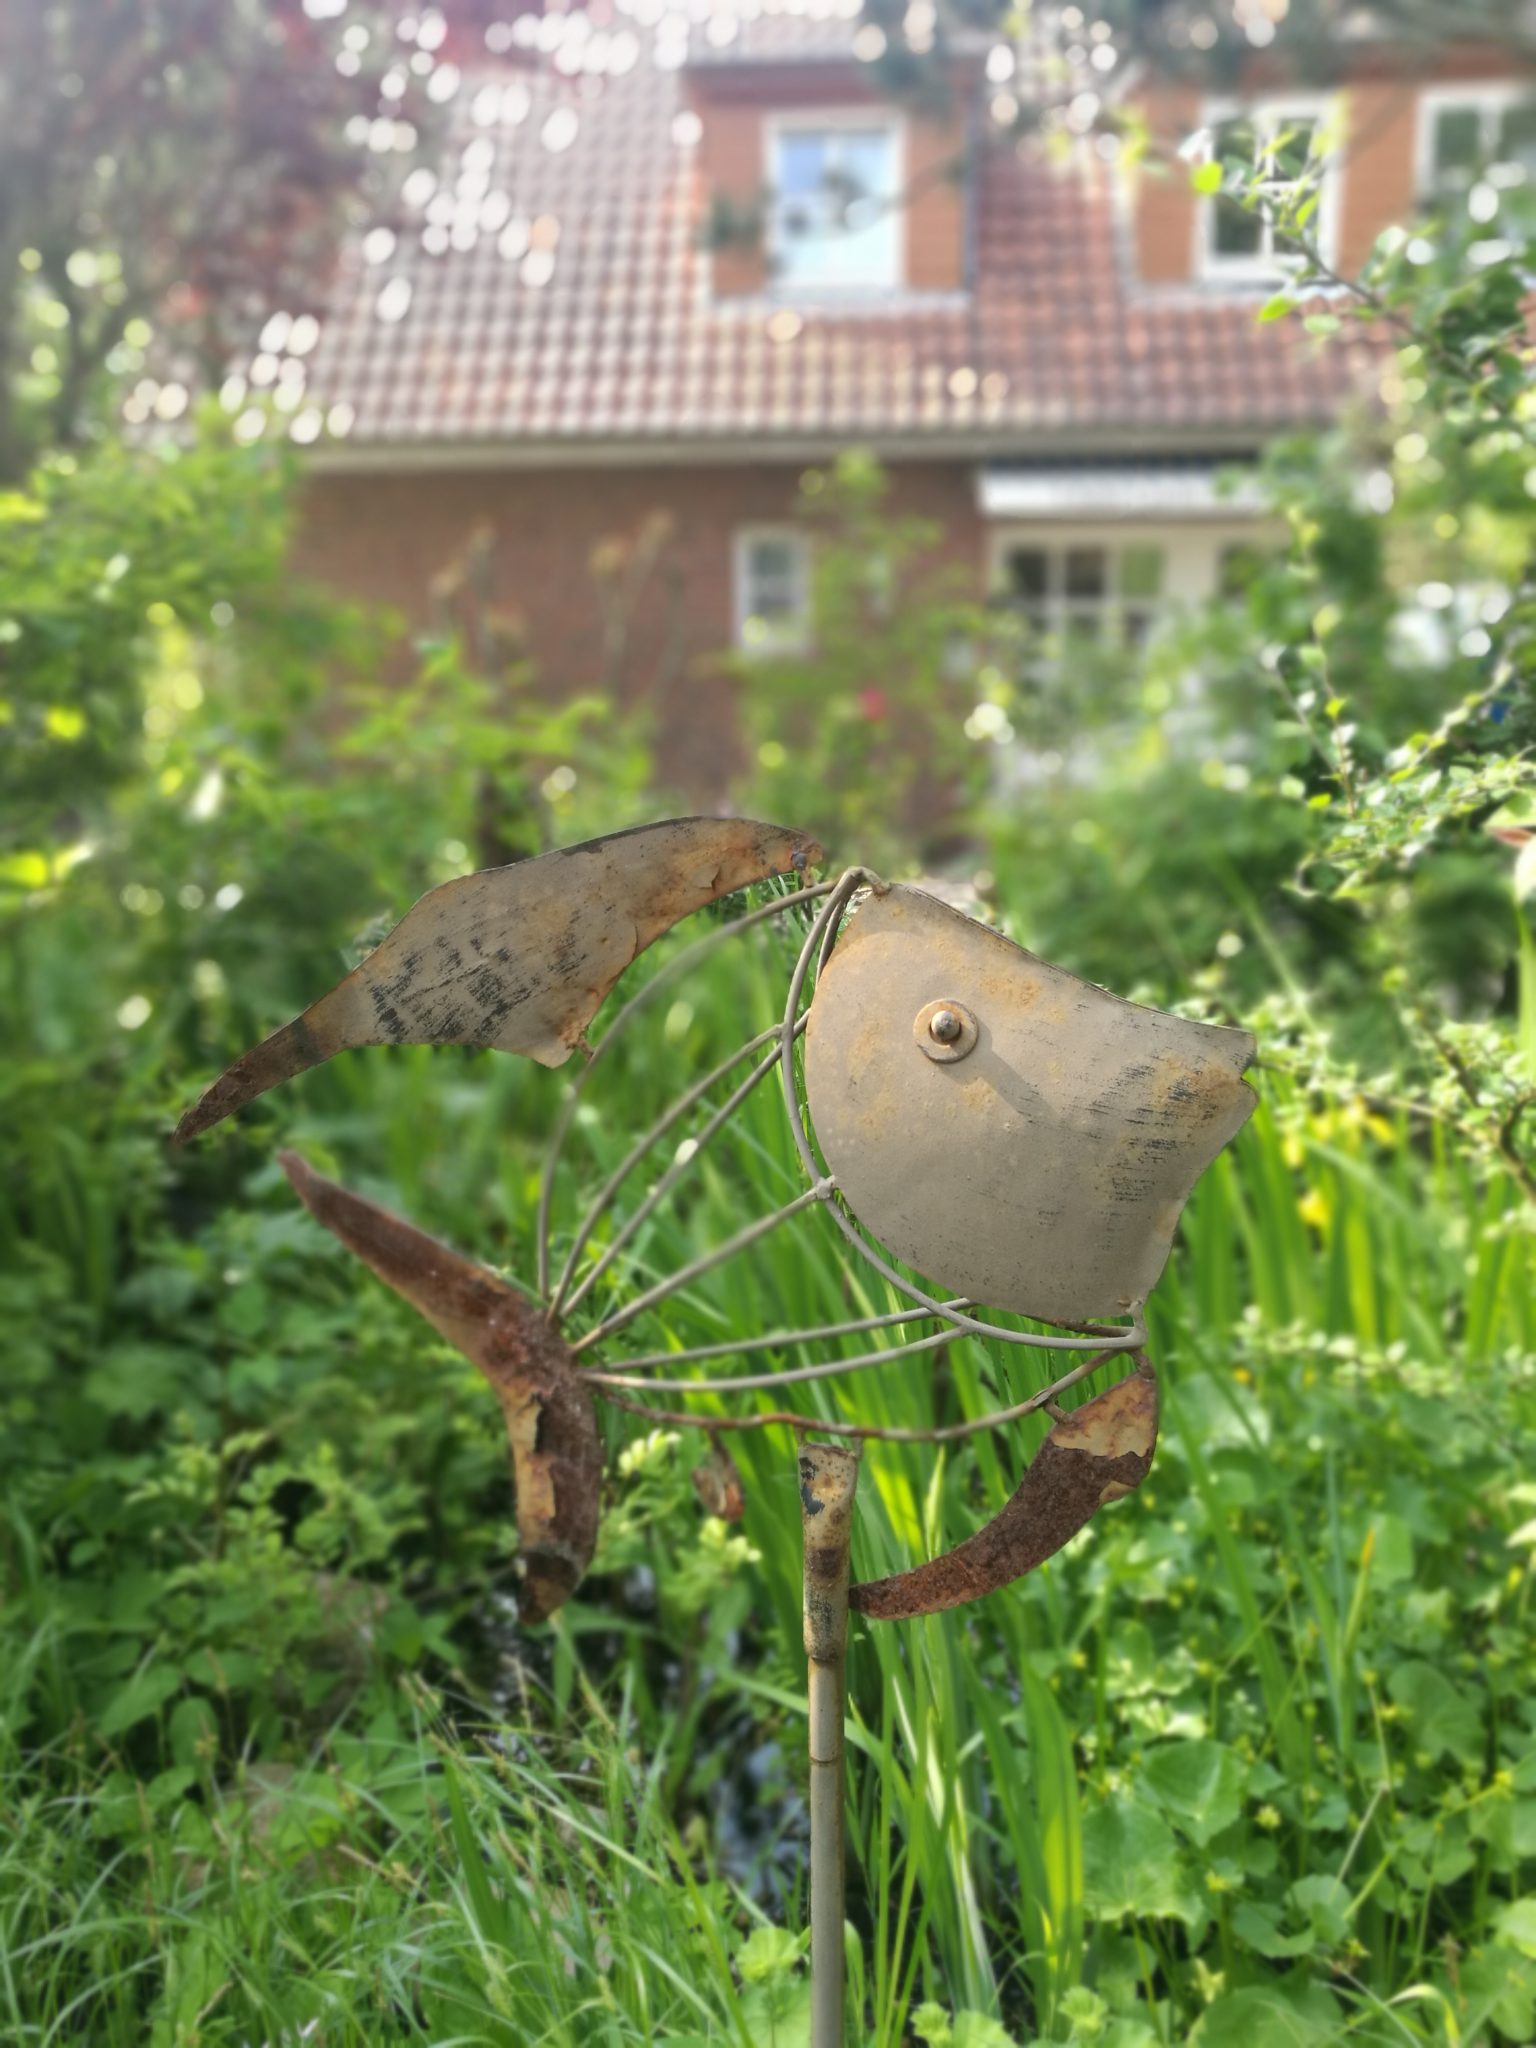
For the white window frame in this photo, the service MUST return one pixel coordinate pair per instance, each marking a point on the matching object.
(1056, 543)
(1268, 112)
(792, 636)
(1490, 98)
(816, 120)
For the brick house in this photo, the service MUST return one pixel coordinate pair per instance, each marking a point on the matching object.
(670, 260)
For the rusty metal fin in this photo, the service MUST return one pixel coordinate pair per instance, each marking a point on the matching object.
(557, 1460)
(517, 958)
(1097, 1453)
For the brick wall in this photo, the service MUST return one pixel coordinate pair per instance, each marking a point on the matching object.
(1164, 204)
(557, 545)
(734, 107)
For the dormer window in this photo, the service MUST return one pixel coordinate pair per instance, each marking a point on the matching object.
(1465, 128)
(1286, 144)
(835, 215)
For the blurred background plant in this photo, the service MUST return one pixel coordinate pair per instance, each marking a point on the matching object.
(1255, 1761)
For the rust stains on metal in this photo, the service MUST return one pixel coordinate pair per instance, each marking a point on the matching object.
(1045, 1170)
(718, 1482)
(829, 1477)
(1097, 1453)
(556, 1455)
(517, 958)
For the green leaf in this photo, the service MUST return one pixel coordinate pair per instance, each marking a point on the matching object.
(976, 2030)
(1324, 1901)
(1293, 2013)
(768, 1952)
(1277, 308)
(194, 1731)
(1516, 1924)
(1258, 1928)
(1444, 1721)
(144, 1694)
(1132, 1868)
(1199, 1784)
(1205, 178)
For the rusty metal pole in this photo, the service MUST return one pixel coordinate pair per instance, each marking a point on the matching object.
(829, 1474)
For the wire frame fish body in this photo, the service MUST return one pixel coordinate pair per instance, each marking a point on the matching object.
(1016, 1138)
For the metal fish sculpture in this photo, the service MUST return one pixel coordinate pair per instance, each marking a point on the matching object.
(1004, 1129)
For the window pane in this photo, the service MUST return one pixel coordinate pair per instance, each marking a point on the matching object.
(773, 581)
(865, 167)
(1085, 626)
(1517, 135)
(1028, 572)
(1137, 626)
(1087, 572)
(1291, 148)
(1236, 232)
(1458, 144)
(801, 164)
(1141, 572)
(1237, 139)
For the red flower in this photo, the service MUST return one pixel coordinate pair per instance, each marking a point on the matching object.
(873, 702)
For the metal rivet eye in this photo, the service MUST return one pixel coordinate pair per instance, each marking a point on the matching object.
(944, 1030)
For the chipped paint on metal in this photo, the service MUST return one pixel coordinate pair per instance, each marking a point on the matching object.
(1046, 1170)
(516, 958)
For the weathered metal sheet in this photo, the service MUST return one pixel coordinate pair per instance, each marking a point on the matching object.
(520, 957)
(1042, 1167)
(1098, 1453)
(557, 1460)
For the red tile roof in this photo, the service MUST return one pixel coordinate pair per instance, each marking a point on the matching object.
(546, 287)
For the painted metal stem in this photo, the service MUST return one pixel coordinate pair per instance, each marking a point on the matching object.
(829, 1476)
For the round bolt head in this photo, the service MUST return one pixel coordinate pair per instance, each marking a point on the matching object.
(945, 1030)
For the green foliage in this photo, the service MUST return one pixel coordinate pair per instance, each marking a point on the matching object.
(857, 735)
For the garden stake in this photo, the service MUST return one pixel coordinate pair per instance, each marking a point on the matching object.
(997, 1125)
(829, 1476)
